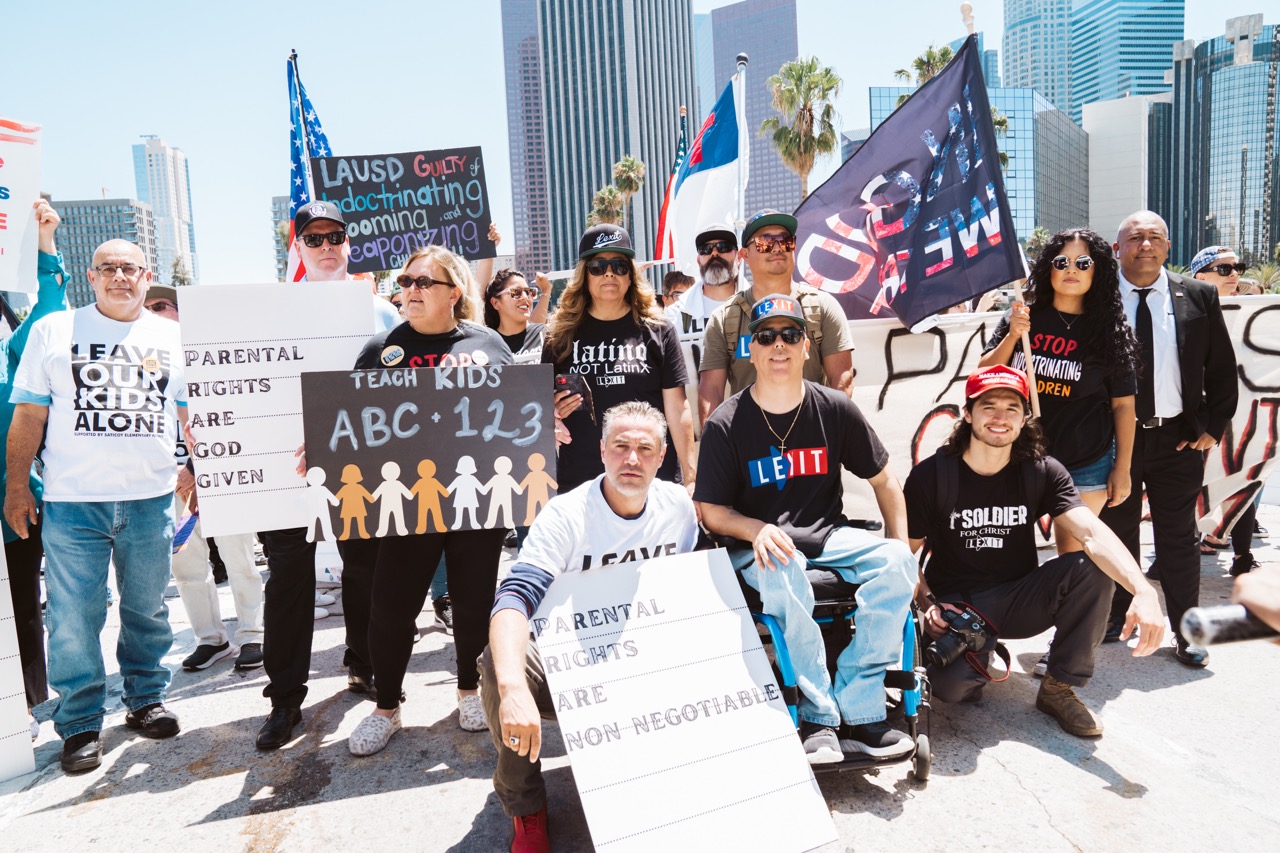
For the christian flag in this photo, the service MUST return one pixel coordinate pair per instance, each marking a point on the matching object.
(917, 220)
(306, 140)
(705, 190)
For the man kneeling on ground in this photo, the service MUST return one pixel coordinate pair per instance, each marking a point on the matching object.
(623, 508)
(977, 501)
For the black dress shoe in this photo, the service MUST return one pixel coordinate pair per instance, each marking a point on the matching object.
(155, 721)
(1189, 654)
(1114, 629)
(278, 729)
(81, 752)
(360, 682)
(1242, 565)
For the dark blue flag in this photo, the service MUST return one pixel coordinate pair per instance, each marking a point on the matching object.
(917, 220)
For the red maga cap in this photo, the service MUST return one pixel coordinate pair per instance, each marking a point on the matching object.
(996, 376)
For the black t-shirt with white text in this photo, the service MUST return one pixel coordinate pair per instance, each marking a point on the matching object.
(740, 464)
(989, 536)
(468, 344)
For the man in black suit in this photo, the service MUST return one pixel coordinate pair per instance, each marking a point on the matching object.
(1187, 394)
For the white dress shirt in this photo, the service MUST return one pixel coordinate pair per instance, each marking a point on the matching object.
(1164, 335)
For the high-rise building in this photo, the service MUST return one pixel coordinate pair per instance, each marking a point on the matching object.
(704, 60)
(990, 61)
(851, 141)
(87, 224)
(526, 134)
(165, 183)
(1036, 48)
(766, 31)
(279, 219)
(1121, 48)
(614, 78)
(1047, 175)
(1121, 167)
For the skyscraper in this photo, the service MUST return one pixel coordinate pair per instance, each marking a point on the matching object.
(1121, 48)
(1036, 48)
(164, 183)
(87, 224)
(1123, 164)
(990, 61)
(526, 134)
(280, 218)
(766, 31)
(704, 57)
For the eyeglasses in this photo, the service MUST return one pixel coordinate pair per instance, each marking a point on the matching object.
(600, 266)
(422, 282)
(518, 292)
(1227, 269)
(129, 270)
(315, 241)
(768, 245)
(766, 337)
(723, 247)
(1061, 262)
(162, 306)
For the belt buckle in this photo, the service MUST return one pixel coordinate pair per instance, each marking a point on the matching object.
(1151, 423)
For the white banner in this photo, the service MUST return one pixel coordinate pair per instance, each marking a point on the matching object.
(245, 348)
(16, 755)
(670, 712)
(19, 190)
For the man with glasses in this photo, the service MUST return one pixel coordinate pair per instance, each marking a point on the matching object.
(103, 388)
(770, 478)
(768, 248)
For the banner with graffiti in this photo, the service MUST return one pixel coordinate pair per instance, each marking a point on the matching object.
(911, 388)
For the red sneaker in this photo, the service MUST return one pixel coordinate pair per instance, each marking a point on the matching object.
(531, 833)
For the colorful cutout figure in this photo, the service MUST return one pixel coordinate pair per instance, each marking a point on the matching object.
(428, 490)
(466, 491)
(319, 499)
(391, 496)
(537, 486)
(502, 487)
(354, 496)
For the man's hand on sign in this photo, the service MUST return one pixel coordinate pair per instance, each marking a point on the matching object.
(773, 547)
(495, 236)
(186, 487)
(521, 723)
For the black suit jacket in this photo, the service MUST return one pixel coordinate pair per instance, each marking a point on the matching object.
(1210, 390)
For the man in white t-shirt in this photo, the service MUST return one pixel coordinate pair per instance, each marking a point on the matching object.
(602, 522)
(103, 386)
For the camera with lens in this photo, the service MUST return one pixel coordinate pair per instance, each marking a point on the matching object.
(967, 631)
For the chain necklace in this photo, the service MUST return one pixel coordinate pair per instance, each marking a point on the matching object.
(782, 439)
(1064, 319)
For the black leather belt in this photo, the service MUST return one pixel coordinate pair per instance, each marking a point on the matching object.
(1152, 423)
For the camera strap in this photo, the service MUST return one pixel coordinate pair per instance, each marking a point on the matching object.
(1002, 652)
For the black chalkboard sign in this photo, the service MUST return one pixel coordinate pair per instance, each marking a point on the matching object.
(427, 450)
(395, 204)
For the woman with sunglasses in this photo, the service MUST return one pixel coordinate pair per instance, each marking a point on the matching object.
(609, 330)
(437, 331)
(518, 313)
(1085, 358)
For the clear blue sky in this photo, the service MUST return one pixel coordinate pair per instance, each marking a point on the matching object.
(383, 76)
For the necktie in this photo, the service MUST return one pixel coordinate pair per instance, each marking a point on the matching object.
(1146, 402)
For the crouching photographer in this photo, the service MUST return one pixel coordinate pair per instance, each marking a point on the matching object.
(976, 501)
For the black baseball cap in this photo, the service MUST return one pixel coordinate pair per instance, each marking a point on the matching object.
(309, 213)
(768, 217)
(605, 238)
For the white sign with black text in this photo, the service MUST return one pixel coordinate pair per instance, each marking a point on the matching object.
(16, 756)
(19, 190)
(670, 712)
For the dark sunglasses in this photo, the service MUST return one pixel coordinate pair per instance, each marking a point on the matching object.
(1061, 262)
(422, 282)
(768, 245)
(315, 241)
(1227, 269)
(766, 337)
(161, 306)
(600, 266)
(723, 247)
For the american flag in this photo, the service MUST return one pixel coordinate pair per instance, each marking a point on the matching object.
(306, 140)
(665, 249)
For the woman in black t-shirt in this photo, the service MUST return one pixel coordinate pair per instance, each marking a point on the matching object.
(518, 313)
(1085, 358)
(608, 329)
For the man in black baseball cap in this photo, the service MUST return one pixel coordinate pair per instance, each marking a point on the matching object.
(321, 232)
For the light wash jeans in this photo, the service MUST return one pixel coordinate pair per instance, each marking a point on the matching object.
(886, 571)
(80, 541)
(194, 579)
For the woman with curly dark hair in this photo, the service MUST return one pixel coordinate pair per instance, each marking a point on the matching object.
(518, 312)
(1085, 358)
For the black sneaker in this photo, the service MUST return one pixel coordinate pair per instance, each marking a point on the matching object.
(81, 752)
(444, 613)
(1242, 565)
(155, 721)
(821, 746)
(206, 656)
(879, 739)
(1260, 531)
(250, 656)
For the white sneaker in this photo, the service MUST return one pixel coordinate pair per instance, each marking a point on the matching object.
(321, 613)
(324, 599)
(35, 728)
(471, 713)
(373, 733)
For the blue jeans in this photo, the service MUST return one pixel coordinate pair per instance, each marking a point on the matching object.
(887, 573)
(81, 540)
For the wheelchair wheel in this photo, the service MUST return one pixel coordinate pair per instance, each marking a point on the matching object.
(923, 760)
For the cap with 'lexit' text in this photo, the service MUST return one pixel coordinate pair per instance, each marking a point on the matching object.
(776, 307)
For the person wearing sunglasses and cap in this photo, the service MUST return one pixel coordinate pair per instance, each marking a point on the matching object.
(772, 459)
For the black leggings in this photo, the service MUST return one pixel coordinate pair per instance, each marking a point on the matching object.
(24, 556)
(405, 567)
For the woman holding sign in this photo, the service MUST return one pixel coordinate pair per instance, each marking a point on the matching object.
(612, 340)
(438, 331)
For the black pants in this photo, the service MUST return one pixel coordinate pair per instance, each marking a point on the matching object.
(359, 559)
(1242, 533)
(288, 617)
(24, 583)
(406, 565)
(1172, 479)
(1068, 593)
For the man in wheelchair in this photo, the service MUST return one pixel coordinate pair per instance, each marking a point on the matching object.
(976, 501)
(769, 477)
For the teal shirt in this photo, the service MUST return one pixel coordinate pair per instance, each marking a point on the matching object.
(50, 298)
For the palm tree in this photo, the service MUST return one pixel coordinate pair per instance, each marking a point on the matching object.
(1000, 122)
(606, 206)
(803, 93)
(1036, 242)
(1267, 275)
(178, 275)
(628, 178)
(924, 68)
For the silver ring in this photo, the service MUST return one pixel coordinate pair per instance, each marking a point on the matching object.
(513, 740)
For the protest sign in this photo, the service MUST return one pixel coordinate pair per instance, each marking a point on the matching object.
(438, 436)
(673, 721)
(244, 347)
(19, 190)
(16, 756)
(395, 204)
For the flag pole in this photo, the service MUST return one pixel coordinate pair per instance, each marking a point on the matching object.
(740, 102)
(302, 128)
(1026, 339)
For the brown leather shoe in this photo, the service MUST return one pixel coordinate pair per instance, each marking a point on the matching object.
(1059, 701)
